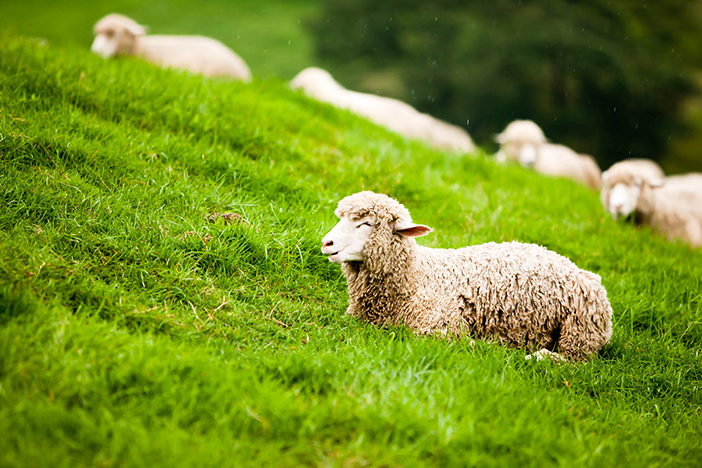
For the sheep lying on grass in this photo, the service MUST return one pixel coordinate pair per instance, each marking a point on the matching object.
(617, 195)
(118, 35)
(671, 205)
(523, 141)
(520, 294)
(389, 113)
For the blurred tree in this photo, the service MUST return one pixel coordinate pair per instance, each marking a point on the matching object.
(606, 78)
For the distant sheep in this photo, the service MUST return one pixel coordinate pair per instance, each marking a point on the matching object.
(523, 141)
(387, 112)
(118, 35)
(671, 205)
(617, 195)
(519, 294)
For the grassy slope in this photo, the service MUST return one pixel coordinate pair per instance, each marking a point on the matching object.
(267, 34)
(134, 332)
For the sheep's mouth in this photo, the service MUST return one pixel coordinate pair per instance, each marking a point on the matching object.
(334, 257)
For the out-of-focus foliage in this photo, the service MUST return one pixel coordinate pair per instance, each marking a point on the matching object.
(605, 77)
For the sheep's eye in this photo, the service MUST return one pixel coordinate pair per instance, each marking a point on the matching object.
(365, 223)
(110, 34)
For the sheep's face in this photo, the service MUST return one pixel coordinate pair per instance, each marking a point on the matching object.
(520, 141)
(115, 34)
(528, 155)
(623, 198)
(628, 193)
(106, 43)
(524, 152)
(346, 242)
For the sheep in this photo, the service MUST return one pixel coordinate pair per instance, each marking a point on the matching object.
(116, 34)
(520, 136)
(619, 197)
(387, 112)
(671, 205)
(522, 295)
(523, 141)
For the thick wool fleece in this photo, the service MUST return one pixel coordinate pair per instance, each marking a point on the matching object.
(520, 294)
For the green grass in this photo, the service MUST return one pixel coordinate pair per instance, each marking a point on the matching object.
(134, 332)
(269, 35)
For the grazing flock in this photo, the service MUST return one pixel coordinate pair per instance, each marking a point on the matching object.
(522, 295)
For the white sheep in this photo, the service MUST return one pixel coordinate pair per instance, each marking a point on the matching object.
(520, 294)
(523, 141)
(620, 197)
(387, 112)
(116, 34)
(671, 205)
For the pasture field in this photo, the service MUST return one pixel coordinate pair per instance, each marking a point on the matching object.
(268, 34)
(138, 328)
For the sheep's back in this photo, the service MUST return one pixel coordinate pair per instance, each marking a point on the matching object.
(514, 292)
(677, 211)
(194, 53)
(561, 161)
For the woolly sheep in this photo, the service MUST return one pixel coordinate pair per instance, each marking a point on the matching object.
(519, 294)
(387, 112)
(523, 141)
(619, 197)
(118, 35)
(671, 205)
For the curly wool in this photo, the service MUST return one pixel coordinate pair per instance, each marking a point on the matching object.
(519, 294)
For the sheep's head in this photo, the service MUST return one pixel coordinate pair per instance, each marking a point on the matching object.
(115, 34)
(520, 142)
(624, 193)
(369, 225)
(315, 82)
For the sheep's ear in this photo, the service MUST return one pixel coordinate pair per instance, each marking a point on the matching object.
(500, 138)
(137, 29)
(656, 183)
(412, 230)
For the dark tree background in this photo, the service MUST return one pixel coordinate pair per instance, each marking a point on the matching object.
(604, 77)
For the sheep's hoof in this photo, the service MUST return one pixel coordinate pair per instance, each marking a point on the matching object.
(539, 355)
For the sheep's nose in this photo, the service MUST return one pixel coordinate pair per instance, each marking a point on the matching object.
(618, 207)
(328, 243)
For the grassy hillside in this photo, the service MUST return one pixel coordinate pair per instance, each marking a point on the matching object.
(136, 332)
(268, 34)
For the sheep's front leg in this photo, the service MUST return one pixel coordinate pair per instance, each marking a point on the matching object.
(544, 353)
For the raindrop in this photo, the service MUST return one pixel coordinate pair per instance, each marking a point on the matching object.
(467, 121)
